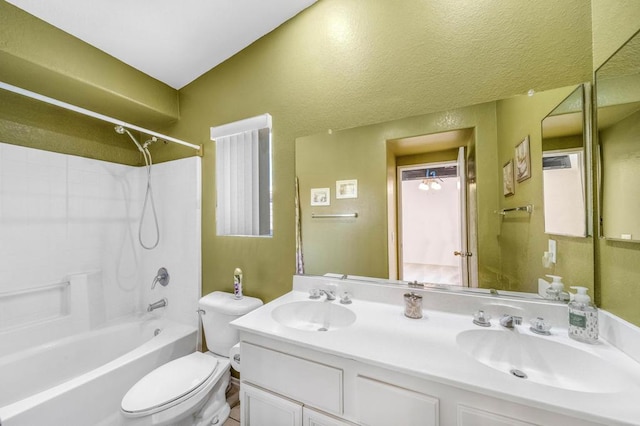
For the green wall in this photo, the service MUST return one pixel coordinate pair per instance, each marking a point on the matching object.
(37, 56)
(521, 237)
(348, 63)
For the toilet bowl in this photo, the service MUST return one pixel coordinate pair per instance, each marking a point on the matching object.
(191, 390)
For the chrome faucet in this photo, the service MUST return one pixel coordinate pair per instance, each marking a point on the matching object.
(509, 321)
(162, 303)
(331, 295)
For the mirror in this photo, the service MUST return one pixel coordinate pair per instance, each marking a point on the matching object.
(504, 250)
(618, 124)
(563, 168)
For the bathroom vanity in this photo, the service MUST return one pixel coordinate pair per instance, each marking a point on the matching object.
(323, 363)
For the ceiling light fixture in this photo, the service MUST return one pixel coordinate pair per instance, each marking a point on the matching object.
(430, 182)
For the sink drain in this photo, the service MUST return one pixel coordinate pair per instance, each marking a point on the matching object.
(518, 373)
(323, 329)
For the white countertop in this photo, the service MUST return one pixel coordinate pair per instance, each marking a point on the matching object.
(427, 348)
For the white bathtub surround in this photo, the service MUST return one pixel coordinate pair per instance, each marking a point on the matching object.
(71, 265)
(62, 214)
(440, 361)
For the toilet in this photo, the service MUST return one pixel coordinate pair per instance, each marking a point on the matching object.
(191, 390)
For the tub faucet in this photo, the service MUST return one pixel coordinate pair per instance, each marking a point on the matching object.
(162, 303)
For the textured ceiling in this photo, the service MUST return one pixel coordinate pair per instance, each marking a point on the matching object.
(172, 41)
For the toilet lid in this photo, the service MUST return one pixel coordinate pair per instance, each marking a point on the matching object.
(169, 382)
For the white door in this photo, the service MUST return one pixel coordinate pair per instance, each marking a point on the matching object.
(429, 223)
(261, 408)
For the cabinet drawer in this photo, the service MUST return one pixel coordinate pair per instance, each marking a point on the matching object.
(469, 416)
(309, 382)
(383, 404)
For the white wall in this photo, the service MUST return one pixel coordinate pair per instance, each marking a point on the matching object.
(61, 214)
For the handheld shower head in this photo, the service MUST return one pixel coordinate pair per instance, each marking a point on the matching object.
(119, 129)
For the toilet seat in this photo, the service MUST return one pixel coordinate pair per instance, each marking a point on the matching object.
(170, 384)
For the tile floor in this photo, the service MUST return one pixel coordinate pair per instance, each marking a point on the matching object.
(234, 417)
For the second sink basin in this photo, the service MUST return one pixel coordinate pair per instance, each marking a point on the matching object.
(543, 361)
(313, 316)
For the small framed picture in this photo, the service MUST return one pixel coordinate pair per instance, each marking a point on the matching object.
(347, 188)
(320, 196)
(523, 160)
(508, 188)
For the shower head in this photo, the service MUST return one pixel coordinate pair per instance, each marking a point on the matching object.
(149, 142)
(119, 129)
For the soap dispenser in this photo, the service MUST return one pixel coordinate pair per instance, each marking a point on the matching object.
(556, 290)
(237, 283)
(583, 317)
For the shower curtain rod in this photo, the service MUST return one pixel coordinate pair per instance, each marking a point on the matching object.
(89, 113)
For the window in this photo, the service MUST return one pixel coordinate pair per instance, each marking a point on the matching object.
(243, 177)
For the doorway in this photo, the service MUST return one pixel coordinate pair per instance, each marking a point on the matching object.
(432, 208)
(429, 217)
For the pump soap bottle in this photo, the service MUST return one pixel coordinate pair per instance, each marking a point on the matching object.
(556, 289)
(237, 283)
(583, 317)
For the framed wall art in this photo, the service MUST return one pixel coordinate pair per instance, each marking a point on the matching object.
(523, 160)
(347, 188)
(508, 188)
(320, 196)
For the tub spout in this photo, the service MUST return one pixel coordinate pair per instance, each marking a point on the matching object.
(162, 303)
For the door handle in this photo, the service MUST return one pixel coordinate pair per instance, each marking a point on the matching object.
(459, 253)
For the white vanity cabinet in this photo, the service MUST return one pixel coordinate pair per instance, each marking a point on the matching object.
(283, 384)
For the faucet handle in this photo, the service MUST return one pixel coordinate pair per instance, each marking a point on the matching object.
(482, 319)
(540, 326)
(314, 293)
(161, 277)
(345, 299)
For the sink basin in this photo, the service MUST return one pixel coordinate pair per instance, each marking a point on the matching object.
(313, 316)
(543, 361)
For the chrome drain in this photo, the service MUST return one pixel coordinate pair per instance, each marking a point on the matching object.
(518, 373)
(323, 329)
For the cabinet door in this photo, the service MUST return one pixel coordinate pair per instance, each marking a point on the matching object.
(384, 404)
(262, 408)
(315, 418)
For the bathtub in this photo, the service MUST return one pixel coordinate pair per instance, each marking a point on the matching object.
(80, 380)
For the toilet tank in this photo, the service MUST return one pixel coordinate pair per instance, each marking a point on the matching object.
(220, 309)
